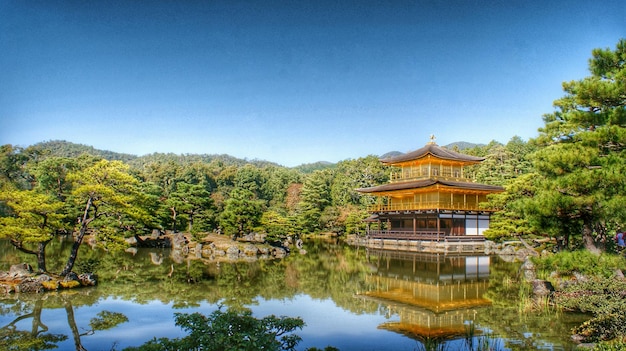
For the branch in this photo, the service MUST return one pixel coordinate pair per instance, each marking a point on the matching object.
(20, 246)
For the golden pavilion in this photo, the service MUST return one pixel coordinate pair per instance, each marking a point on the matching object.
(430, 197)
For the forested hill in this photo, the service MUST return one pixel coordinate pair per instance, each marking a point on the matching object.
(63, 148)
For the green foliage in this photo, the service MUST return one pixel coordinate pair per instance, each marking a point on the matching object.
(615, 345)
(107, 320)
(565, 263)
(605, 299)
(192, 204)
(502, 163)
(276, 225)
(575, 181)
(88, 265)
(315, 198)
(581, 160)
(62, 148)
(12, 340)
(602, 296)
(242, 213)
(230, 331)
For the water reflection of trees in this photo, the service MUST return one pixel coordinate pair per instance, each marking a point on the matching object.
(31, 306)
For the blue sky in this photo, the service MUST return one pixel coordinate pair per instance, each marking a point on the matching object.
(290, 81)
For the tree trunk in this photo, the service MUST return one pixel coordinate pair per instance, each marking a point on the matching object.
(84, 223)
(41, 256)
(190, 223)
(588, 238)
(40, 253)
(71, 321)
(173, 219)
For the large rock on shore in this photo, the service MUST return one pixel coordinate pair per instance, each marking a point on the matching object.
(21, 279)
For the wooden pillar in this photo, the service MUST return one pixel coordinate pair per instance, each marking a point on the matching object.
(438, 225)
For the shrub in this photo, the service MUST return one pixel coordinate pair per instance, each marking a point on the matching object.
(230, 331)
(567, 262)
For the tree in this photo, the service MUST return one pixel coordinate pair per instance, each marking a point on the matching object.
(34, 219)
(12, 160)
(242, 213)
(315, 197)
(106, 192)
(51, 175)
(581, 162)
(276, 225)
(230, 331)
(192, 200)
(510, 218)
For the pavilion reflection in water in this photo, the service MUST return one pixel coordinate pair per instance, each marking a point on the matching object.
(436, 296)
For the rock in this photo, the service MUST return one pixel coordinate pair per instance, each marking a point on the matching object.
(177, 256)
(542, 288)
(156, 258)
(522, 254)
(179, 241)
(7, 288)
(29, 286)
(43, 278)
(279, 252)
(528, 270)
(580, 277)
(250, 250)
(232, 252)
(71, 276)
(206, 252)
(155, 234)
(88, 279)
(20, 270)
(507, 251)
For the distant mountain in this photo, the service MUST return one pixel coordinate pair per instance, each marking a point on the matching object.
(312, 167)
(62, 148)
(391, 154)
(462, 145)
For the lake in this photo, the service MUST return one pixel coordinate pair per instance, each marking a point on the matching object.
(351, 298)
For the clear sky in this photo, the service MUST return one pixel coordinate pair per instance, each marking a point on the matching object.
(290, 81)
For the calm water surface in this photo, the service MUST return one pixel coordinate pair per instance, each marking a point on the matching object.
(350, 298)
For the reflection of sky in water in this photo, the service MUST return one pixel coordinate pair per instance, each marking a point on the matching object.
(326, 324)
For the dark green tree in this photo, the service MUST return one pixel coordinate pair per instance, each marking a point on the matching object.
(315, 197)
(242, 213)
(581, 165)
(230, 331)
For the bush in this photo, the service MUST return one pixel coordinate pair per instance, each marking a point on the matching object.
(605, 298)
(230, 331)
(567, 262)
